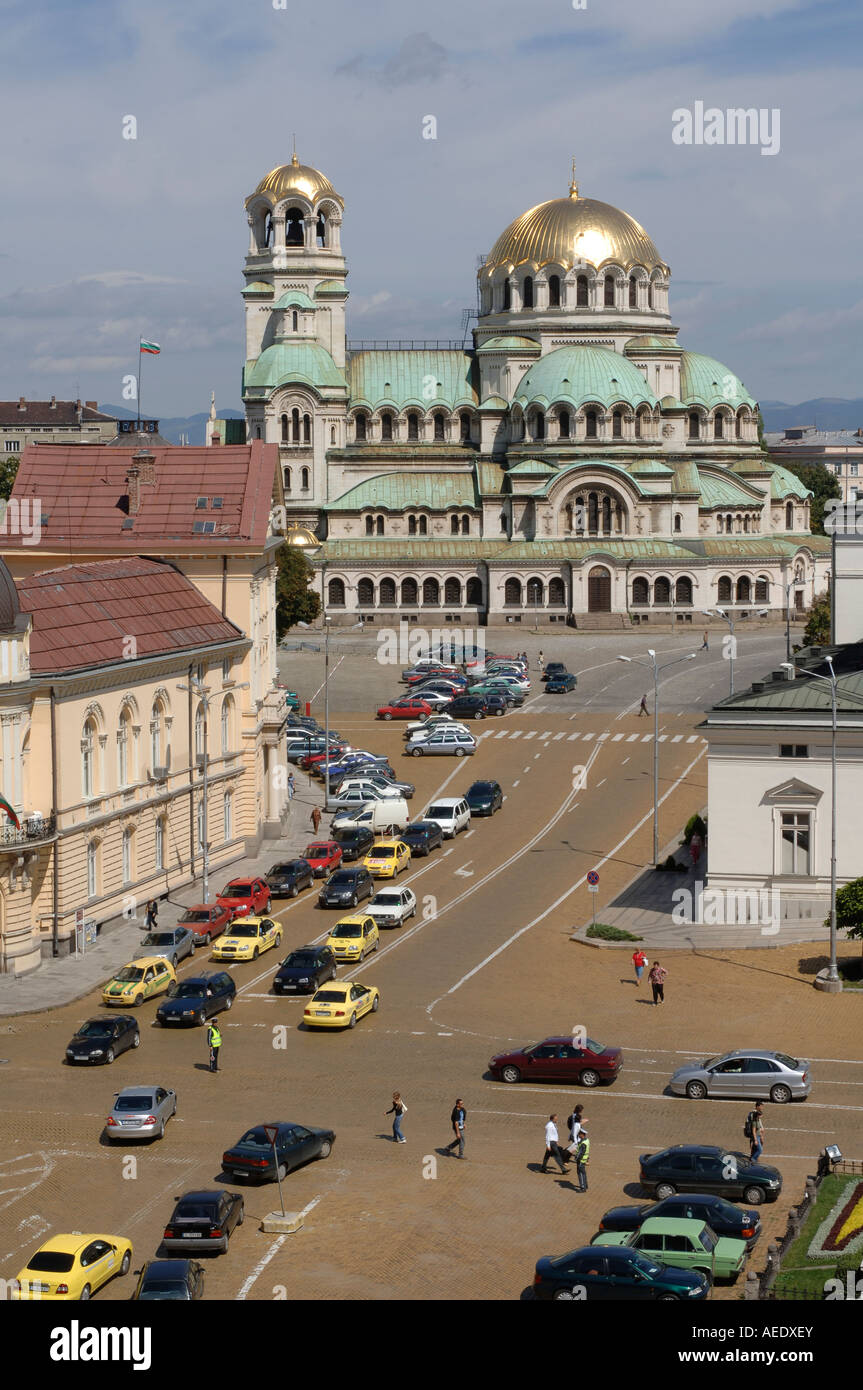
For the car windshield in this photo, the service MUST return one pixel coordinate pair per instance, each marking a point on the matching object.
(342, 929)
(245, 929)
(95, 1029)
(159, 938)
(290, 868)
(257, 1137)
(342, 880)
(708, 1239)
(52, 1261)
(197, 916)
(186, 989)
(329, 996)
(388, 899)
(443, 811)
(382, 852)
(646, 1266)
(316, 852)
(198, 1211)
(133, 1102)
(345, 836)
(301, 960)
(129, 974)
(237, 890)
(162, 1288)
(790, 1062)
(480, 789)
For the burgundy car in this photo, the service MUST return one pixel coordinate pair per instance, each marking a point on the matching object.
(206, 920)
(245, 897)
(559, 1059)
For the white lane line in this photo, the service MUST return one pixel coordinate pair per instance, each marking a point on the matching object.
(516, 782)
(693, 738)
(531, 733)
(631, 738)
(468, 833)
(625, 761)
(571, 737)
(273, 1250)
(678, 738)
(616, 738)
(502, 733)
(515, 733)
(599, 784)
(646, 1095)
(558, 737)
(646, 738)
(588, 737)
(527, 769)
(546, 734)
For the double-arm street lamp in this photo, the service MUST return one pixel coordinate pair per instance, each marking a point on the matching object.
(204, 694)
(652, 666)
(727, 618)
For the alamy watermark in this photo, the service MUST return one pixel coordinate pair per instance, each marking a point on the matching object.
(411, 644)
(727, 907)
(21, 517)
(736, 125)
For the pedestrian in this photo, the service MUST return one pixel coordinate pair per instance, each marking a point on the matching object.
(457, 1120)
(541, 662)
(552, 1146)
(397, 1110)
(582, 1154)
(656, 976)
(523, 659)
(639, 960)
(754, 1131)
(290, 786)
(695, 849)
(152, 914)
(315, 817)
(705, 645)
(576, 1124)
(214, 1041)
(642, 708)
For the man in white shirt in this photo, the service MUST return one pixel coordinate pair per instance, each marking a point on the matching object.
(552, 1146)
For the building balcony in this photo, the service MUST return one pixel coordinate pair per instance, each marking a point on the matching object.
(34, 829)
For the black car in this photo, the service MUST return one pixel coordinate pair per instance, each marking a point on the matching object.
(554, 668)
(484, 798)
(252, 1156)
(179, 1281)
(467, 707)
(196, 998)
(102, 1039)
(614, 1272)
(719, 1215)
(707, 1168)
(346, 887)
(355, 841)
(304, 970)
(496, 704)
(422, 836)
(204, 1221)
(286, 879)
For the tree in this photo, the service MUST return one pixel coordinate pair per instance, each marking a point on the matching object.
(8, 468)
(849, 910)
(295, 602)
(822, 485)
(817, 630)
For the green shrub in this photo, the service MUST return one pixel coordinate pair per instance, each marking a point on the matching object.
(601, 929)
(694, 826)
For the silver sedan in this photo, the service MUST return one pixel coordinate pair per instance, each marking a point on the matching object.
(748, 1074)
(141, 1112)
(174, 944)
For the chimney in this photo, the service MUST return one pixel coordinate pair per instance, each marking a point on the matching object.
(92, 405)
(53, 403)
(22, 405)
(133, 488)
(146, 463)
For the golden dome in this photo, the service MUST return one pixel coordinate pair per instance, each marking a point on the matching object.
(566, 230)
(296, 178)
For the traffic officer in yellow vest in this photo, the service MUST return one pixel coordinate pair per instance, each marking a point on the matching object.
(214, 1040)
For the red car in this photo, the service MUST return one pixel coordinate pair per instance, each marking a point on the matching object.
(559, 1059)
(408, 707)
(428, 672)
(206, 920)
(245, 897)
(324, 856)
(311, 760)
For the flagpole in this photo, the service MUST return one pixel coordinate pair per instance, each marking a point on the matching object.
(140, 358)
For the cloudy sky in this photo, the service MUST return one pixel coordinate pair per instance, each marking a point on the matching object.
(103, 238)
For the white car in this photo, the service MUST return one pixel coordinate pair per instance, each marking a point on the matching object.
(355, 796)
(425, 732)
(451, 813)
(382, 817)
(516, 682)
(379, 789)
(456, 742)
(392, 907)
(433, 721)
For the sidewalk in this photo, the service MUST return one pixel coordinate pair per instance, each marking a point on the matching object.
(68, 978)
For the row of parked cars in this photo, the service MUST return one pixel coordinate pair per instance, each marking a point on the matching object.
(479, 690)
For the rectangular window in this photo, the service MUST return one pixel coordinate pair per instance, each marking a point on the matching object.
(12, 446)
(91, 871)
(854, 468)
(794, 750)
(796, 835)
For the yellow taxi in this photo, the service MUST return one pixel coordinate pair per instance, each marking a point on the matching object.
(353, 938)
(387, 857)
(340, 1005)
(139, 980)
(72, 1267)
(246, 938)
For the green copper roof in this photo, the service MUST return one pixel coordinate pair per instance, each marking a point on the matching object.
(258, 287)
(579, 551)
(490, 479)
(509, 343)
(494, 403)
(721, 490)
(397, 551)
(533, 468)
(707, 382)
(423, 378)
(303, 361)
(759, 547)
(648, 466)
(577, 375)
(757, 465)
(395, 492)
(784, 484)
(686, 477)
(330, 287)
(652, 340)
(294, 299)
(588, 467)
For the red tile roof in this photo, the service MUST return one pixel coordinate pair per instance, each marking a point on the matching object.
(84, 615)
(84, 497)
(59, 414)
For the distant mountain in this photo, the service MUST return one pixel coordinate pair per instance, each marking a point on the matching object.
(192, 426)
(827, 412)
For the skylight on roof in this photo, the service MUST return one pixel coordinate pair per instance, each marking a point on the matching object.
(217, 502)
(201, 504)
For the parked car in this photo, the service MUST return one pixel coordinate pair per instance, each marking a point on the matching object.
(196, 998)
(559, 1059)
(286, 878)
(553, 668)
(685, 1243)
(484, 798)
(339, 1006)
(439, 723)
(356, 795)
(252, 1156)
(519, 684)
(560, 684)
(204, 1221)
(749, 1074)
(616, 1272)
(323, 856)
(347, 887)
(139, 980)
(708, 1168)
(721, 1216)
(468, 707)
(423, 668)
(354, 841)
(245, 896)
(452, 742)
(407, 707)
(387, 786)
(381, 817)
(393, 907)
(305, 970)
(332, 753)
(353, 938)
(72, 1266)
(422, 836)
(451, 813)
(177, 1281)
(206, 920)
(387, 858)
(247, 938)
(514, 693)
(140, 1112)
(175, 944)
(100, 1040)
(494, 695)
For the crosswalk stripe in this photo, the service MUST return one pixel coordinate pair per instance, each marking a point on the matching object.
(531, 733)
(547, 734)
(502, 733)
(646, 738)
(663, 737)
(632, 738)
(570, 737)
(617, 737)
(516, 733)
(588, 737)
(558, 737)
(603, 735)
(693, 738)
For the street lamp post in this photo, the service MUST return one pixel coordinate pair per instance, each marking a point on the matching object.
(652, 665)
(833, 971)
(726, 618)
(205, 695)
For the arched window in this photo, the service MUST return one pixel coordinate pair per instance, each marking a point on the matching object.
(567, 518)
(638, 424)
(683, 590)
(651, 295)
(159, 854)
(719, 524)
(789, 516)
(423, 526)
(387, 426)
(88, 759)
(465, 525)
(535, 593)
(723, 589)
(582, 298)
(717, 427)
(379, 526)
(738, 427)
(387, 593)
(228, 816)
(360, 428)
(453, 525)
(92, 869)
(227, 724)
(295, 321)
(593, 514)
(365, 593)
(539, 425)
(640, 592)
(564, 423)
(257, 431)
(527, 293)
(608, 292)
(336, 593)
(617, 425)
(128, 836)
(678, 521)
(744, 589)
(332, 434)
(590, 424)
(556, 593)
(662, 590)
(465, 426)
(410, 592)
(125, 771)
(512, 593)
(431, 593)
(294, 235)
(199, 731)
(633, 292)
(287, 480)
(473, 595)
(762, 589)
(304, 478)
(746, 524)
(439, 422)
(320, 236)
(413, 426)
(295, 425)
(503, 523)
(693, 425)
(554, 291)
(157, 717)
(606, 515)
(307, 429)
(285, 429)
(452, 591)
(507, 295)
(412, 525)
(370, 526)
(729, 524)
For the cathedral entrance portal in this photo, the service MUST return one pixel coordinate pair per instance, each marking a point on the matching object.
(599, 590)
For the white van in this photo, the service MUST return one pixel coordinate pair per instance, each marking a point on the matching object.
(451, 813)
(379, 816)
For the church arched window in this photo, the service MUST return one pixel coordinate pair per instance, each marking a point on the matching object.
(287, 480)
(295, 425)
(321, 230)
(633, 292)
(423, 526)
(581, 293)
(387, 426)
(360, 428)
(379, 526)
(453, 525)
(295, 321)
(554, 291)
(284, 429)
(439, 423)
(563, 421)
(527, 293)
(608, 292)
(590, 424)
(694, 432)
(617, 424)
(717, 427)
(789, 516)
(507, 295)
(304, 479)
(465, 525)
(370, 526)
(464, 422)
(413, 426)
(678, 521)
(307, 429)
(294, 228)
(539, 425)
(412, 525)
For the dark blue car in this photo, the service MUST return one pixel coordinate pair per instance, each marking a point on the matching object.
(177, 1281)
(197, 998)
(560, 683)
(602, 1273)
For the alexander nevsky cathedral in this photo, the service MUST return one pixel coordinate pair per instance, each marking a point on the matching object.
(573, 460)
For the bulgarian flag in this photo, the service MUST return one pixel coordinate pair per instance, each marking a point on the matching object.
(4, 806)
(150, 347)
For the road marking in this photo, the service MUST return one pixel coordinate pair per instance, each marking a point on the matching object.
(558, 737)
(526, 769)
(464, 871)
(546, 734)
(625, 761)
(516, 782)
(663, 737)
(502, 733)
(615, 738)
(678, 738)
(693, 738)
(588, 737)
(531, 733)
(646, 738)
(570, 738)
(631, 738)
(515, 733)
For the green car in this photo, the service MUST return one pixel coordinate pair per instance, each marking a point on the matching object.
(292, 699)
(683, 1243)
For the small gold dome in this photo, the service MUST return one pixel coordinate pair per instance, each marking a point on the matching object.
(297, 178)
(566, 230)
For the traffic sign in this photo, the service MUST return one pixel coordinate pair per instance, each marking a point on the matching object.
(593, 888)
(593, 877)
(272, 1132)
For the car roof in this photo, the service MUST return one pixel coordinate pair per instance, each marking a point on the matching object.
(145, 961)
(672, 1225)
(202, 1194)
(71, 1242)
(690, 1149)
(165, 1269)
(248, 917)
(134, 1090)
(353, 917)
